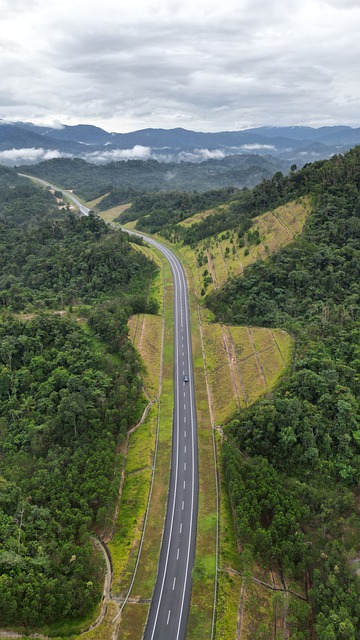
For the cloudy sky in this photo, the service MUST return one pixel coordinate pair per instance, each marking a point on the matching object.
(200, 64)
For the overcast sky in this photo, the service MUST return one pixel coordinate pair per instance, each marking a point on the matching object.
(205, 65)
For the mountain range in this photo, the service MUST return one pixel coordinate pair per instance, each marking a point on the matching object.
(24, 142)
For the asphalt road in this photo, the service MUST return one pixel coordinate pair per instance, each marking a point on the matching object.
(170, 603)
(83, 210)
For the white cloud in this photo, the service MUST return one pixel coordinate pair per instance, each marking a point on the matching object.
(15, 156)
(258, 147)
(199, 155)
(136, 153)
(206, 65)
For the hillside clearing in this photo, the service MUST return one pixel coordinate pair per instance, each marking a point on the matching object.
(242, 364)
(111, 214)
(220, 257)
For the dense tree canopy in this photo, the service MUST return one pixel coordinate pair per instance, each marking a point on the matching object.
(69, 391)
(308, 430)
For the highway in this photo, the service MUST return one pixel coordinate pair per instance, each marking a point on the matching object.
(170, 603)
(83, 210)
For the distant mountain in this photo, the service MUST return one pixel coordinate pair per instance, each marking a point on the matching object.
(292, 144)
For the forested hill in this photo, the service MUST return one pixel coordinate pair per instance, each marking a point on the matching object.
(162, 213)
(69, 390)
(303, 442)
(133, 177)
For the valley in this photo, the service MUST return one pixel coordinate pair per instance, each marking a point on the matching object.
(273, 295)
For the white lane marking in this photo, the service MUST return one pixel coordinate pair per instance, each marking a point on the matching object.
(179, 279)
(185, 449)
(184, 418)
(184, 484)
(174, 583)
(193, 427)
(184, 394)
(184, 434)
(168, 618)
(184, 466)
(180, 527)
(184, 406)
(178, 553)
(183, 353)
(182, 505)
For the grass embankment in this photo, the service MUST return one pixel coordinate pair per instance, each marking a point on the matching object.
(204, 574)
(242, 363)
(135, 612)
(223, 258)
(146, 332)
(202, 215)
(110, 214)
(93, 203)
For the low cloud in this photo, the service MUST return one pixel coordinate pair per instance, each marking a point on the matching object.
(257, 147)
(136, 153)
(22, 156)
(199, 155)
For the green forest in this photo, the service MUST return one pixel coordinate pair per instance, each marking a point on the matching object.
(301, 480)
(128, 178)
(69, 391)
(291, 461)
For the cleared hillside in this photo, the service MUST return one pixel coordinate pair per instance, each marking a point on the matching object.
(214, 260)
(243, 363)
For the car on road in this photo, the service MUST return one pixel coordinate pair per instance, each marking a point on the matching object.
(186, 378)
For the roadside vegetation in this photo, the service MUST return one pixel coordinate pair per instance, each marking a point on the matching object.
(133, 616)
(280, 260)
(226, 255)
(70, 390)
(304, 521)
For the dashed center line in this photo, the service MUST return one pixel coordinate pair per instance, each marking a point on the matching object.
(174, 583)
(184, 434)
(178, 553)
(182, 505)
(180, 527)
(184, 418)
(184, 484)
(185, 449)
(184, 466)
(168, 618)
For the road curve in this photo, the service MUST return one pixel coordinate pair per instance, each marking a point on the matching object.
(83, 210)
(170, 603)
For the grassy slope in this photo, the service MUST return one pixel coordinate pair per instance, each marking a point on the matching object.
(238, 352)
(110, 214)
(242, 363)
(226, 259)
(134, 615)
(250, 361)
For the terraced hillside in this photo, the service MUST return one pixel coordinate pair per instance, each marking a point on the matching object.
(243, 363)
(223, 256)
